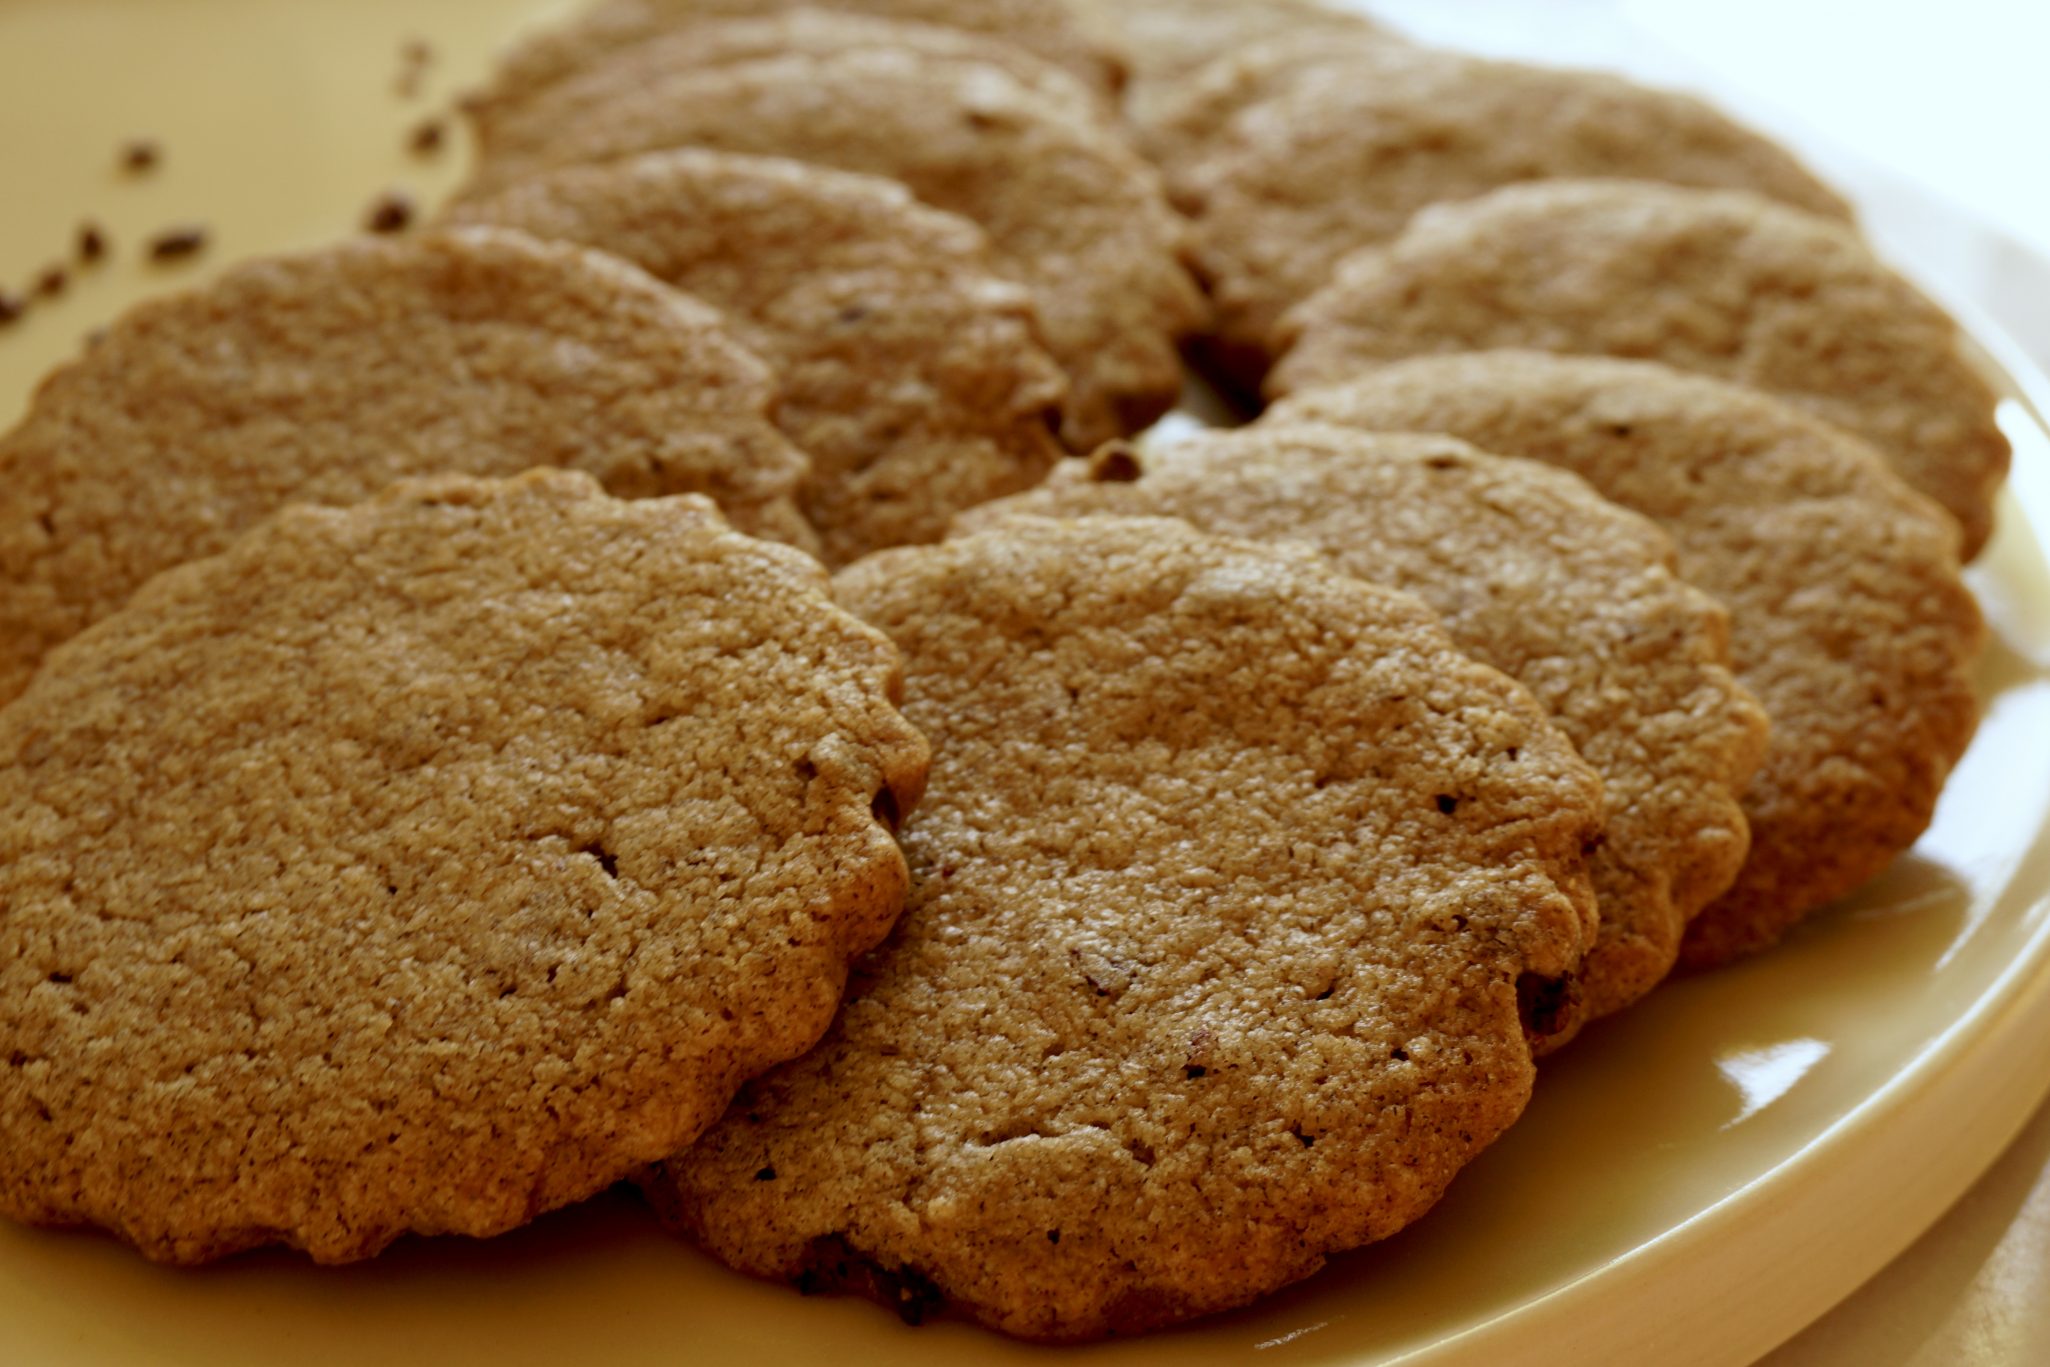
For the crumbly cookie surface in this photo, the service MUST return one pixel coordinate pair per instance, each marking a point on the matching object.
(1180, 124)
(1848, 618)
(1071, 211)
(1533, 573)
(519, 129)
(1720, 282)
(1167, 41)
(327, 375)
(1048, 29)
(1304, 178)
(1227, 882)
(428, 864)
(913, 377)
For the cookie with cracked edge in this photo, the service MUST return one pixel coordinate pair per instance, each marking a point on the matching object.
(1720, 282)
(914, 378)
(1532, 572)
(1071, 211)
(515, 130)
(326, 375)
(1048, 29)
(428, 864)
(1847, 616)
(1300, 180)
(1238, 893)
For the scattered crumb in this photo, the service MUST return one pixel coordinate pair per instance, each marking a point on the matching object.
(95, 337)
(12, 306)
(51, 280)
(176, 244)
(1115, 462)
(426, 137)
(139, 156)
(415, 56)
(92, 242)
(392, 212)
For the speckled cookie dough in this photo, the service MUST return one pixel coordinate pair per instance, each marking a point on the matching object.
(1302, 179)
(327, 375)
(1072, 212)
(1847, 616)
(1231, 876)
(428, 864)
(1533, 573)
(1719, 282)
(913, 377)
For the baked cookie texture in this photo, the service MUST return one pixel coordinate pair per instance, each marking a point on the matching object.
(1343, 160)
(1049, 29)
(1533, 573)
(1723, 283)
(526, 128)
(1182, 123)
(913, 377)
(428, 864)
(1167, 42)
(1848, 618)
(1230, 878)
(324, 376)
(1071, 211)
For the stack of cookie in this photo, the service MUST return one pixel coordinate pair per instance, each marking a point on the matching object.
(430, 796)
(1566, 267)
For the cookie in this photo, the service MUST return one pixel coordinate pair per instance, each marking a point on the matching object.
(1235, 893)
(1723, 283)
(1179, 124)
(1072, 212)
(428, 864)
(1533, 573)
(1306, 177)
(1048, 29)
(326, 376)
(1848, 619)
(913, 378)
(516, 129)
(1165, 42)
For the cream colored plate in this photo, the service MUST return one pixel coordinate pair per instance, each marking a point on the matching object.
(1693, 1182)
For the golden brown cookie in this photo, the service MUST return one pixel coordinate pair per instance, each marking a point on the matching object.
(1071, 211)
(1306, 177)
(428, 864)
(1165, 42)
(1533, 573)
(1048, 29)
(1719, 282)
(1179, 124)
(1231, 876)
(1847, 616)
(913, 378)
(513, 129)
(327, 375)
